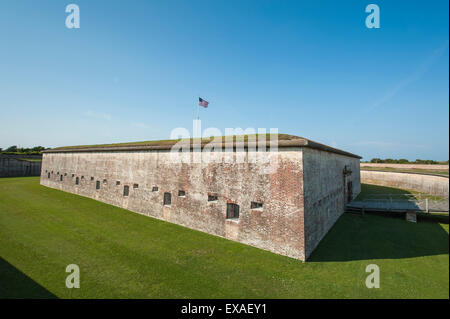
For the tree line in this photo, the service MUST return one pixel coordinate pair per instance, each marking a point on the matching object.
(405, 161)
(37, 150)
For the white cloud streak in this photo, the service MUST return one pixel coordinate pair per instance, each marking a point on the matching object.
(98, 115)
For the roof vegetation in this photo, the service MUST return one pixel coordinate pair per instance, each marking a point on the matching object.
(283, 140)
(204, 140)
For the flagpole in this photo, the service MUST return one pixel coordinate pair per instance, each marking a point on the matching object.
(197, 123)
(198, 111)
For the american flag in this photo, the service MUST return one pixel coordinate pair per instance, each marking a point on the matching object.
(202, 102)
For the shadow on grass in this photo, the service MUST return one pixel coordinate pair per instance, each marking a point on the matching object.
(369, 189)
(15, 284)
(356, 237)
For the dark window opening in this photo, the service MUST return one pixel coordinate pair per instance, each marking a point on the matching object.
(256, 205)
(82, 177)
(97, 185)
(57, 173)
(77, 180)
(73, 175)
(61, 178)
(48, 176)
(167, 199)
(181, 193)
(154, 189)
(232, 211)
(212, 198)
(126, 190)
(92, 178)
(65, 174)
(117, 182)
(135, 185)
(104, 181)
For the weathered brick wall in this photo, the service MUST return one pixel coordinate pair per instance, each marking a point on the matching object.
(324, 192)
(277, 227)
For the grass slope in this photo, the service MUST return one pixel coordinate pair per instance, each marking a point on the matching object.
(383, 192)
(126, 255)
(406, 170)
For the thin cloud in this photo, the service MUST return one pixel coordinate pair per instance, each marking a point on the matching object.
(98, 116)
(139, 125)
(417, 74)
(386, 144)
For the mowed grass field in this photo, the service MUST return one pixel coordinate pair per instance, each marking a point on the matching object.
(126, 255)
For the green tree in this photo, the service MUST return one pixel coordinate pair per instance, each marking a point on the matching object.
(38, 149)
(12, 148)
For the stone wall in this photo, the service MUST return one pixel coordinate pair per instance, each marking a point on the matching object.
(302, 197)
(430, 184)
(277, 226)
(14, 167)
(325, 192)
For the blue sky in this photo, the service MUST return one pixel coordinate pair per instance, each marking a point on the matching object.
(135, 69)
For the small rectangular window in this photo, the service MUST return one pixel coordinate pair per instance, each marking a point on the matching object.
(77, 180)
(167, 199)
(256, 205)
(92, 178)
(181, 193)
(48, 175)
(73, 175)
(154, 189)
(232, 211)
(117, 183)
(212, 198)
(126, 190)
(65, 174)
(104, 181)
(135, 185)
(97, 185)
(82, 177)
(60, 178)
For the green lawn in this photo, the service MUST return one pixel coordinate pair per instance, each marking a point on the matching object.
(30, 159)
(126, 255)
